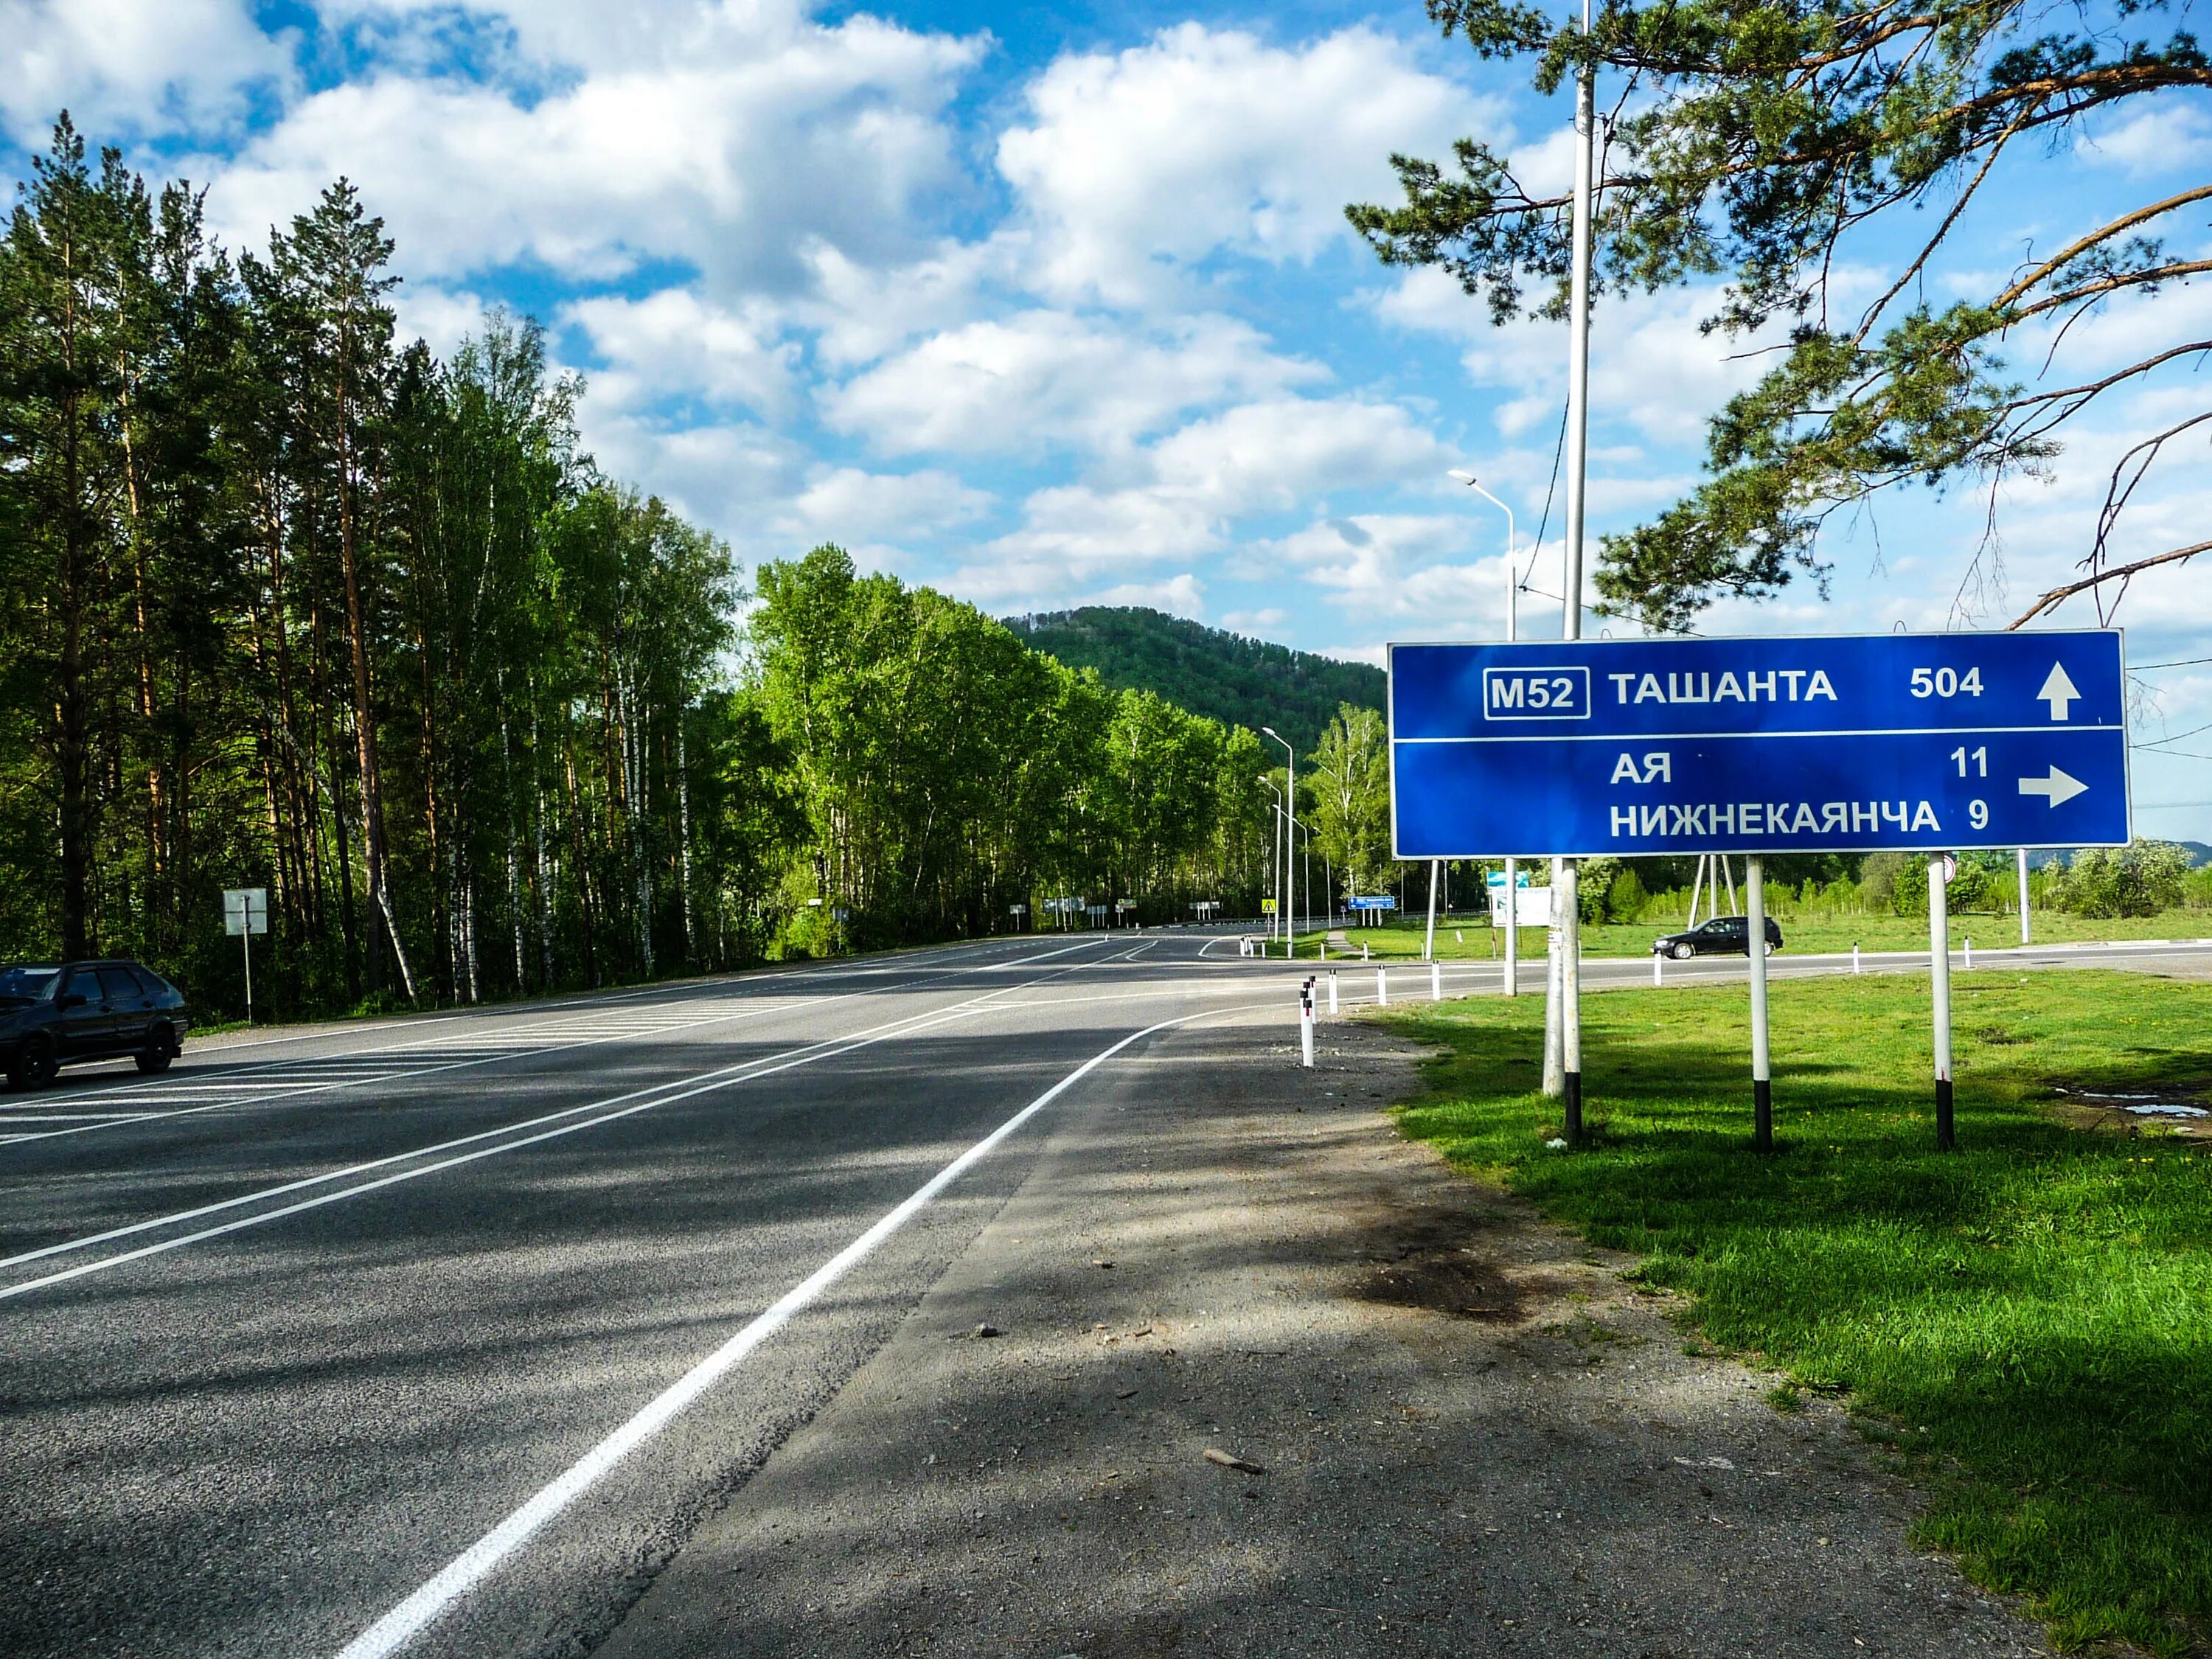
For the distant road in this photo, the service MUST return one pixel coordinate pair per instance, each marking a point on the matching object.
(293, 1338)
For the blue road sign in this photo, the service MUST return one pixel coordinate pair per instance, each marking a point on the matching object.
(1385, 902)
(1926, 742)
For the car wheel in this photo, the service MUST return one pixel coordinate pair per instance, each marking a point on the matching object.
(160, 1048)
(35, 1066)
(1770, 948)
(1683, 952)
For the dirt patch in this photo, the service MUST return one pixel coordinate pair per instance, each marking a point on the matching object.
(1436, 1259)
(2133, 1112)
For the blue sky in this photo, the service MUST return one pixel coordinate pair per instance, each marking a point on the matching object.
(1052, 305)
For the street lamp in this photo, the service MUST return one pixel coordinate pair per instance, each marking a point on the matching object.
(1275, 852)
(1513, 580)
(1291, 825)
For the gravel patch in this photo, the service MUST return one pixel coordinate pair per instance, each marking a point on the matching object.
(1238, 1371)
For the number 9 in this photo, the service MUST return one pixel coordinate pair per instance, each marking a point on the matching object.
(1977, 814)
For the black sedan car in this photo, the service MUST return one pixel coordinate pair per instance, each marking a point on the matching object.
(1724, 936)
(54, 1013)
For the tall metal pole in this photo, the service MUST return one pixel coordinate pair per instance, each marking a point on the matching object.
(1429, 949)
(2020, 859)
(1291, 813)
(1570, 927)
(1939, 973)
(1762, 1075)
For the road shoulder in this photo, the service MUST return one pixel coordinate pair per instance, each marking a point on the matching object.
(1450, 1427)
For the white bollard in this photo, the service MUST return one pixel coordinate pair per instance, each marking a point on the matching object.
(1363, 951)
(1331, 990)
(1458, 935)
(1306, 1022)
(1323, 955)
(1970, 956)
(1854, 955)
(1435, 982)
(1382, 989)
(1656, 958)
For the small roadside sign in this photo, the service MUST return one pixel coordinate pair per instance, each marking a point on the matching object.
(245, 910)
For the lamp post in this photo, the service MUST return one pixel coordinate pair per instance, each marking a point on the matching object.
(1289, 825)
(1514, 580)
(1275, 853)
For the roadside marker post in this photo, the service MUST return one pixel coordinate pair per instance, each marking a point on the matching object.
(1938, 975)
(1762, 1070)
(1657, 956)
(1970, 953)
(1854, 955)
(2020, 856)
(1381, 989)
(1306, 1023)
(1331, 990)
(1756, 747)
(1436, 981)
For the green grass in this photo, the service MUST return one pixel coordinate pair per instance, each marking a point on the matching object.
(1465, 937)
(2028, 1322)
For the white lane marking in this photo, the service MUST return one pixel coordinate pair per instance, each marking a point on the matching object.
(556, 1041)
(316, 1083)
(415, 1614)
(807, 1055)
(514, 1021)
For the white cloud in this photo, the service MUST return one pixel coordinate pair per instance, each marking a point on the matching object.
(1202, 141)
(1651, 367)
(2164, 139)
(1184, 493)
(1045, 379)
(441, 318)
(169, 65)
(845, 504)
(673, 343)
(773, 132)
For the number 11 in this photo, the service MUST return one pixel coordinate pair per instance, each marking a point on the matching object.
(1981, 759)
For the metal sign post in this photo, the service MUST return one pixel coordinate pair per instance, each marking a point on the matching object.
(1831, 744)
(245, 913)
(1762, 1070)
(2020, 854)
(1941, 869)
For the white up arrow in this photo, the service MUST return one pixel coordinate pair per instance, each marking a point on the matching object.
(2057, 787)
(2058, 691)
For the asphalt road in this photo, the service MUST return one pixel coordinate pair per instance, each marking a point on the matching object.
(441, 1335)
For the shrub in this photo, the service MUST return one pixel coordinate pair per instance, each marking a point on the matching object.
(1625, 900)
(2139, 880)
(1878, 879)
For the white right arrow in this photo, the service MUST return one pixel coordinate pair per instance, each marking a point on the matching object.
(2058, 787)
(2058, 691)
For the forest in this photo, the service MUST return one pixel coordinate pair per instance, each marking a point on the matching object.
(288, 603)
(1209, 671)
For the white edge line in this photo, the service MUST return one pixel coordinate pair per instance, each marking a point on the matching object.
(407, 1620)
(700, 1083)
(704, 1082)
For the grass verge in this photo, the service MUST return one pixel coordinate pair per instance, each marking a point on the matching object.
(2027, 1321)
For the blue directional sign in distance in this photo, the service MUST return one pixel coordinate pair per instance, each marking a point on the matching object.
(1926, 742)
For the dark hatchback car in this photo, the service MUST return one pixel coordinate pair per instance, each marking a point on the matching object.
(1724, 936)
(54, 1014)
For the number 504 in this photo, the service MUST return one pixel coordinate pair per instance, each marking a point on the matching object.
(1946, 683)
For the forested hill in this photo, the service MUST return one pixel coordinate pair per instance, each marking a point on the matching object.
(1207, 670)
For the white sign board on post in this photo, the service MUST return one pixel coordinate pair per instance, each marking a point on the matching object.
(1531, 907)
(245, 913)
(245, 910)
